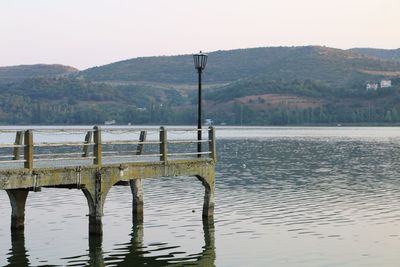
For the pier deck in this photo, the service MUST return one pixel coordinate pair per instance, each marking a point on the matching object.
(103, 158)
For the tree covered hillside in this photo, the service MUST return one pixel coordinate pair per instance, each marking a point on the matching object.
(264, 102)
(73, 101)
(258, 86)
(385, 54)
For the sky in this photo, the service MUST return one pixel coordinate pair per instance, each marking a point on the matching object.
(88, 33)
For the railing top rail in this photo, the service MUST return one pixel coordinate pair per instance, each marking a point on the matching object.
(103, 128)
(11, 130)
(92, 145)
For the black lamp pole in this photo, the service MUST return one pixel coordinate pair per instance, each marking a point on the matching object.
(200, 61)
(199, 115)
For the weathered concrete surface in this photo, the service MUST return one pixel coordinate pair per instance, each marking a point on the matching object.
(85, 175)
(96, 193)
(137, 200)
(96, 182)
(17, 200)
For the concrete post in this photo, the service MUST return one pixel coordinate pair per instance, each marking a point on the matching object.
(211, 145)
(137, 200)
(163, 145)
(97, 148)
(19, 137)
(28, 150)
(17, 200)
(88, 139)
(140, 147)
(96, 194)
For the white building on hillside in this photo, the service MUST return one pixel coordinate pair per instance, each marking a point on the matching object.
(372, 86)
(386, 83)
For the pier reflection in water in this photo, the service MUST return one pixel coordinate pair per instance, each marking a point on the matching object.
(17, 256)
(134, 253)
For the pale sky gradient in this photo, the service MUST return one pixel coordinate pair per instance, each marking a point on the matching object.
(86, 33)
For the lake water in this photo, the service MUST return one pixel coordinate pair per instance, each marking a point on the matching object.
(285, 196)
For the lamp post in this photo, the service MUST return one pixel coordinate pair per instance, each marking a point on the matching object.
(200, 61)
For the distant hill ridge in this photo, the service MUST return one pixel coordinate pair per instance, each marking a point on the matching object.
(255, 86)
(326, 64)
(20, 72)
(334, 66)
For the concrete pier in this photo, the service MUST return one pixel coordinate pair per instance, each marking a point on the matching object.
(96, 179)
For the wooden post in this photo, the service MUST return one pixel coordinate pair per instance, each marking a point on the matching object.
(19, 137)
(140, 146)
(212, 144)
(28, 150)
(97, 146)
(88, 139)
(163, 144)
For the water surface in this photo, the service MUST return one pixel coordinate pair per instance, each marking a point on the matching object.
(301, 196)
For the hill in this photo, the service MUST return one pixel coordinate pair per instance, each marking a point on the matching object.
(21, 72)
(385, 54)
(257, 86)
(333, 66)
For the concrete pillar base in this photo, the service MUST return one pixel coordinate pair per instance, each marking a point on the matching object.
(17, 200)
(96, 194)
(137, 201)
(95, 225)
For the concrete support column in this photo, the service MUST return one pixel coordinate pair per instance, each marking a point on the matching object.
(137, 200)
(96, 194)
(209, 201)
(17, 200)
(137, 237)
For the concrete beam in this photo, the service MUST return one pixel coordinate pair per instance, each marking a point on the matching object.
(43, 177)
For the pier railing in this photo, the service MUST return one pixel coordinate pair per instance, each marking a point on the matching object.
(95, 159)
(38, 148)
